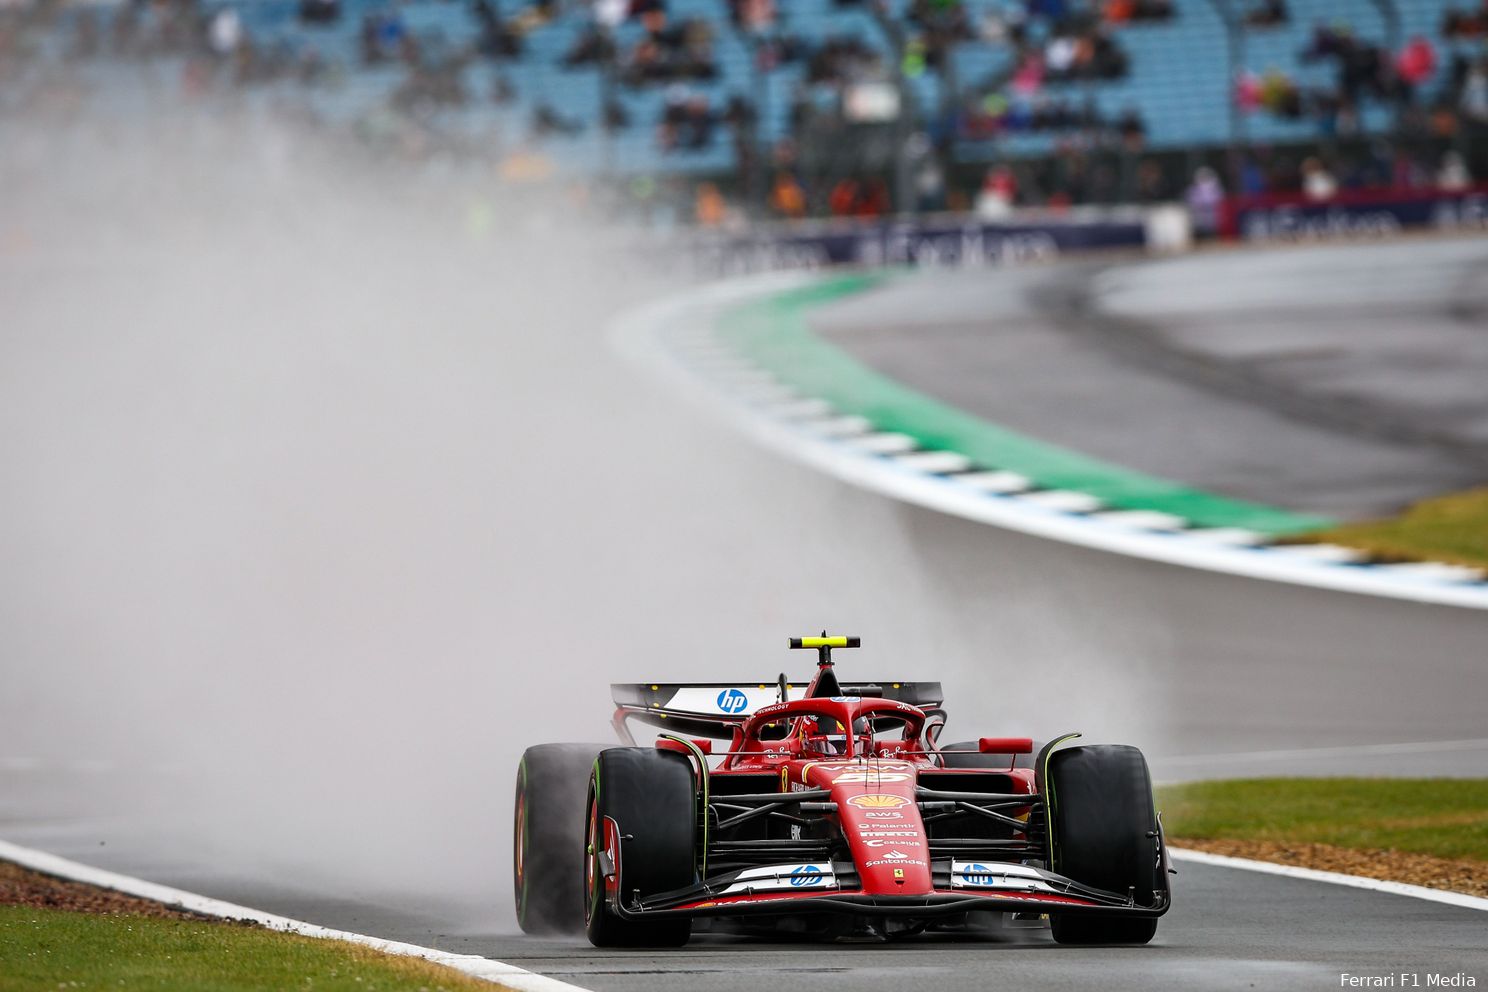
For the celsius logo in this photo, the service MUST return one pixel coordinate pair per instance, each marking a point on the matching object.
(732, 701)
(878, 801)
(805, 875)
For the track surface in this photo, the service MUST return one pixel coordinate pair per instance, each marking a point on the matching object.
(1255, 666)
(1345, 381)
(1230, 930)
(295, 571)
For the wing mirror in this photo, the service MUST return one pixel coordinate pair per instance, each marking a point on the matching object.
(1005, 745)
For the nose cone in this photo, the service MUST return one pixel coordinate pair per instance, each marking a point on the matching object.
(882, 825)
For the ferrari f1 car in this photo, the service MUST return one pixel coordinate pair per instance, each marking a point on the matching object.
(832, 811)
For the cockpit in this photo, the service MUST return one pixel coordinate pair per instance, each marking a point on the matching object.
(825, 735)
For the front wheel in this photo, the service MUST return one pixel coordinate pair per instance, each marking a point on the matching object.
(642, 823)
(1103, 832)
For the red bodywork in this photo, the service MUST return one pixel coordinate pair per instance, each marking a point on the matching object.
(869, 809)
(873, 786)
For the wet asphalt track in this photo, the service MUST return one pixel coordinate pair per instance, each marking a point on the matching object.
(1213, 675)
(1342, 380)
(1229, 930)
(1267, 667)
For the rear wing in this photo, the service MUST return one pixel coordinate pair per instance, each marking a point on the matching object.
(714, 709)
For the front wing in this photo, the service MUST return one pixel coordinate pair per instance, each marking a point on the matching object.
(795, 890)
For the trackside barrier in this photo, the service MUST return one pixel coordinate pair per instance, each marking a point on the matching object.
(1353, 215)
(959, 241)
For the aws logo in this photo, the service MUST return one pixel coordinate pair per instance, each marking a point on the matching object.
(877, 801)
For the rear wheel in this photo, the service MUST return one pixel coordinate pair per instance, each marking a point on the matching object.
(1103, 833)
(643, 808)
(548, 837)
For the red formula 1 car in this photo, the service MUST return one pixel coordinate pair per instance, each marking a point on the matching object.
(833, 812)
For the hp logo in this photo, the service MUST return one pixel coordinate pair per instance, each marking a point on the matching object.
(976, 875)
(805, 875)
(732, 701)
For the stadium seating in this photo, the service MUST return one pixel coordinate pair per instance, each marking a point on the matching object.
(1179, 78)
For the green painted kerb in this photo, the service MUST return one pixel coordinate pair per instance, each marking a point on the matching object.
(774, 334)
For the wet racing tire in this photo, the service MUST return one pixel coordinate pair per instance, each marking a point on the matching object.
(1103, 833)
(548, 837)
(643, 808)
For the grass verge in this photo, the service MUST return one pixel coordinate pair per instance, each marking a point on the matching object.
(1452, 529)
(59, 934)
(1431, 832)
(50, 949)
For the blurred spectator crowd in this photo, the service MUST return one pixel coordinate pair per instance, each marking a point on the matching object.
(894, 68)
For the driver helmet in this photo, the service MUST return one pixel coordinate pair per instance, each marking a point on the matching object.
(824, 736)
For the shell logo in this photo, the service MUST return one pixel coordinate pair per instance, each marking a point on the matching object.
(878, 801)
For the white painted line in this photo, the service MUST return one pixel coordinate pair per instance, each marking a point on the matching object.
(995, 482)
(1143, 519)
(884, 444)
(1320, 552)
(1237, 537)
(499, 972)
(1436, 570)
(1331, 877)
(839, 426)
(801, 410)
(1346, 751)
(934, 462)
(1064, 500)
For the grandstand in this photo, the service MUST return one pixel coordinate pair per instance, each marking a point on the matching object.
(1175, 91)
